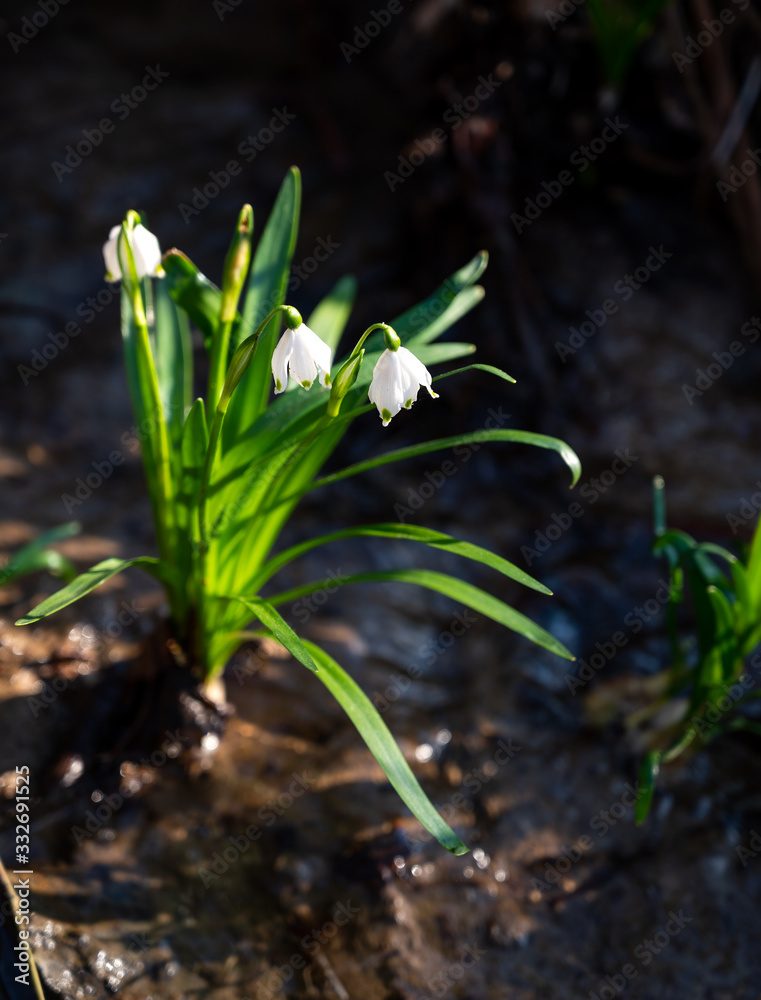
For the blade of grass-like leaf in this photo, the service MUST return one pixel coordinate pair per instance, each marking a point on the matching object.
(267, 285)
(329, 318)
(93, 578)
(195, 440)
(726, 638)
(754, 569)
(648, 776)
(280, 629)
(383, 747)
(262, 533)
(450, 586)
(568, 455)
(477, 367)
(37, 555)
(407, 532)
(174, 361)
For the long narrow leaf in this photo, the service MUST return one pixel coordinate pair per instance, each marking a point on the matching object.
(450, 586)
(280, 629)
(412, 533)
(477, 367)
(91, 579)
(266, 289)
(568, 455)
(174, 361)
(383, 747)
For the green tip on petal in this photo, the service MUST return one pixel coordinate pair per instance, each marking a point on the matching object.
(307, 385)
(278, 385)
(386, 416)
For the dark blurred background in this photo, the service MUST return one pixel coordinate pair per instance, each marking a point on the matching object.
(493, 101)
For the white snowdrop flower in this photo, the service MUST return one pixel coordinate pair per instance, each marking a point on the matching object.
(145, 250)
(397, 378)
(301, 353)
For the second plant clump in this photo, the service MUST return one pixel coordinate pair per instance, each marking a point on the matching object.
(225, 472)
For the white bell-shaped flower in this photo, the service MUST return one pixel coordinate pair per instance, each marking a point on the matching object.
(145, 250)
(301, 353)
(397, 377)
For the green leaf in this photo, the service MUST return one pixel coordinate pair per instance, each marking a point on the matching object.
(383, 747)
(91, 579)
(174, 361)
(195, 441)
(648, 776)
(477, 367)
(266, 289)
(568, 455)
(450, 586)
(412, 533)
(725, 641)
(280, 629)
(37, 556)
(329, 318)
(193, 293)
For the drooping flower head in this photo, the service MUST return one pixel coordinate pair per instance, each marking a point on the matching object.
(145, 251)
(302, 354)
(397, 378)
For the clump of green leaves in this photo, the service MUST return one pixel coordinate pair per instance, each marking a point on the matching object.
(225, 472)
(709, 671)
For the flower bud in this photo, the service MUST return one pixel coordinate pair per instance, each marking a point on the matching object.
(343, 381)
(236, 264)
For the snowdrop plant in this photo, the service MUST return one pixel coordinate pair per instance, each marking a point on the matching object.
(225, 472)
